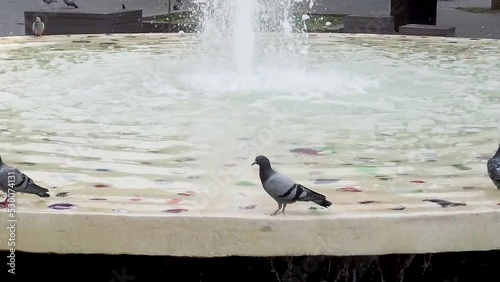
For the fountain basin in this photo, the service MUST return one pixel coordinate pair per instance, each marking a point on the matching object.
(146, 145)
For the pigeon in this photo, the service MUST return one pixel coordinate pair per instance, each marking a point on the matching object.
(284, 190)
(177, 6)
(494, 168)
(70, 3)
(38, 27)
(123, 6)
(50, 1)
(14, 181)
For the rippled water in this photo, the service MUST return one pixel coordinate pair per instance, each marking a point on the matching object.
(147, 112)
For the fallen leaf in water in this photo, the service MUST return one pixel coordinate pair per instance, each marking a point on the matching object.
(187, 193)
(103, 169)
(312, 208)
(98, 199)
(461, 167)
(349, 189)
(444, 203)
(304, 151)
(175, 210)
(383, 177)
(398, 208)
(417, 181)
(174, 201)
(101, 186)
(249, 207)
(468, 187)
(135, 199)
(62, 206)
(62, 194)
(369, 202)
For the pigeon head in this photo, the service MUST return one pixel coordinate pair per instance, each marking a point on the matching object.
(37, 19)
(262, 161)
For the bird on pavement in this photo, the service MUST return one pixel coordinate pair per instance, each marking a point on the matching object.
(493, 166)
(70, 3)
(13, 181)
(283, 189)
(38, 27)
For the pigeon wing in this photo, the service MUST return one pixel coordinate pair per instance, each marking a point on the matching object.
(494, 169)
(282, 188)
(8, 174)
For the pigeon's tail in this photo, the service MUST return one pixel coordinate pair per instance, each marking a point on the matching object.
(73, 4)
(316, 197)
(323, 202)
(37, 190)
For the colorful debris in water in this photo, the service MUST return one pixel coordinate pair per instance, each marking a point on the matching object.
(175, 210)
(249, 207)
(369, 202)
(444, 203)
(349, 189)
(62, 206)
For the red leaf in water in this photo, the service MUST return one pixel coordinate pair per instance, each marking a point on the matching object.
(349, 189)
(304, 151)
(101, 185)
(417, 181)
(135, 199)
(369, 202)
(175, 210)
(174, 201)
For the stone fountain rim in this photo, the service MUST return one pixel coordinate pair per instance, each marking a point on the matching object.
(415, 38)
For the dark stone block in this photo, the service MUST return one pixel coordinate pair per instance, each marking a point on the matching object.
(75, 21)
(400, 9)
(427, 30)
(437, 267)
(369, 24)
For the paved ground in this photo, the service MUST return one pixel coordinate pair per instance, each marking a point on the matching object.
(12, 11)
(486, 25)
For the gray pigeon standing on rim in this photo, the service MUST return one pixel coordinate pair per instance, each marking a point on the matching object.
(70, 3)
(494, 168)
(14, 181)
(38, 27)
(284, 190)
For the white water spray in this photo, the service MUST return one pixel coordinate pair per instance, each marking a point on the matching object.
(246, 34)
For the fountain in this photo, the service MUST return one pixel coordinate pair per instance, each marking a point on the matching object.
(151, 136)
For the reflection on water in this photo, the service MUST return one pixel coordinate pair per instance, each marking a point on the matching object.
(149, 113)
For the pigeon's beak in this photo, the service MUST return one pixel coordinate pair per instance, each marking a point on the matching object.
(254, 163)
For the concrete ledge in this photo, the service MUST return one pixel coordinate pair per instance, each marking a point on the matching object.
(427, 30)
(369, 24)
(256, 235)
(83, 22)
